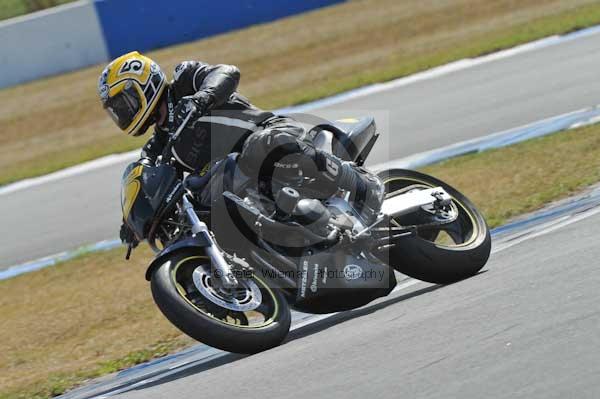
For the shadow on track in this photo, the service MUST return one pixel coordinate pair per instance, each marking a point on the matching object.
(301, 332)
(353, 314)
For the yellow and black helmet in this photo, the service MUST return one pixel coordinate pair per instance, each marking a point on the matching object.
(130, 88)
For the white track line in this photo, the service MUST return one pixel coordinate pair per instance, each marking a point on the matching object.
(336, 99)
(548, 228)
(70, 171)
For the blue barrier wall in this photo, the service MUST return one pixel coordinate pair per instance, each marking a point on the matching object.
(148, 24)
(49, 42)
(89, 32)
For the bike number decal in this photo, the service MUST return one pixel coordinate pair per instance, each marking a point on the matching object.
(132, 66)
(332, 167)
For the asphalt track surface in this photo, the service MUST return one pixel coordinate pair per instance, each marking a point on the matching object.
(525, 327)
(464, 104)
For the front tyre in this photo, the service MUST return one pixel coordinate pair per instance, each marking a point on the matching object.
(437, 254)
(249, 319)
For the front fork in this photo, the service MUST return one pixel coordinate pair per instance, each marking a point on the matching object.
(223, 268)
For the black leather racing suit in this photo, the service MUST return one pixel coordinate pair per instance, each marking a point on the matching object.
(268, 144)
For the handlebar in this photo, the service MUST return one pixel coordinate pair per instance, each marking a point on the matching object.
(166, 154)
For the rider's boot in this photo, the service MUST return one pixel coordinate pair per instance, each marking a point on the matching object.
(366, 188)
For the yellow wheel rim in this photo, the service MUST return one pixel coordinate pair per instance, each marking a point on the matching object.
(262, 285)
(475, 226)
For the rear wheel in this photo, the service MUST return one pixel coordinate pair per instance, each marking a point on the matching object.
(440, 252)
(250, 318)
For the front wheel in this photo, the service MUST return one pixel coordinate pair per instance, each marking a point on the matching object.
(247, 319)
(438, 253)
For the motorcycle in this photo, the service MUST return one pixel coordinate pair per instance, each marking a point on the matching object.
(232, 285)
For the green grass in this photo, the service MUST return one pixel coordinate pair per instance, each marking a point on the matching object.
(90, 333)
(511, 181)
(60, 331)
(57, 160)
(59, 383)
(14, 8)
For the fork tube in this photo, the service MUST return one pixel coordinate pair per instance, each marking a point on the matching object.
(213, 251)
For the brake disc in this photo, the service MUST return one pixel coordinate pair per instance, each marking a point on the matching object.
(439, 215)
(442, 215)
(245, 297)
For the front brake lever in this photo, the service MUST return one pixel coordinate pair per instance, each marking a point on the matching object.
(129, 249)
(183, 125)
(166, 152)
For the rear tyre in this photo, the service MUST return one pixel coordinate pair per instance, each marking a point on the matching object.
(441, 255)
(249, 319)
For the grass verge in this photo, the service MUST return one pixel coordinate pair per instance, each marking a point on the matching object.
(511, 181)
(57, 122)
(14, 8)
(94, 315)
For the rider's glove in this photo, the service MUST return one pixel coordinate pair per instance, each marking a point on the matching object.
(127, 236)
(200, 103)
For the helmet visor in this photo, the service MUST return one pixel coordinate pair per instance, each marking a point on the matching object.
(124, 106)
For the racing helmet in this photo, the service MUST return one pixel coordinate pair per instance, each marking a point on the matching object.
(130, 88)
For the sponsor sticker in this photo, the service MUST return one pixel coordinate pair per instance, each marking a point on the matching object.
(352, 272)
(104, 92)
(313, 284)
(303, 283)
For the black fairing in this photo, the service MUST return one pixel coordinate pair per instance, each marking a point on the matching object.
(337, 281)
(144, 192)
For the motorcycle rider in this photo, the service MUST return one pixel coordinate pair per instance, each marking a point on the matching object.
(135, 93)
